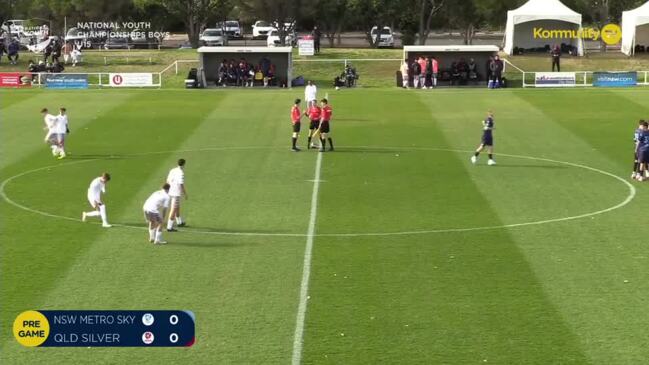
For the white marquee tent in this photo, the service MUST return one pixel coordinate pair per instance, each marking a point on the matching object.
(635, 28)
(546, 14)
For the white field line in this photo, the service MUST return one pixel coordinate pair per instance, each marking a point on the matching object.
(627, 200)
(298, 337)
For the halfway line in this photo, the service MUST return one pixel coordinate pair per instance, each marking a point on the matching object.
(298, 337)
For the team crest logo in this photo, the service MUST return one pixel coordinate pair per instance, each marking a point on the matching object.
(147, 337)
(147, 319)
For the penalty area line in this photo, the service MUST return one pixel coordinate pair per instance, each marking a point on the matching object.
(298, 337)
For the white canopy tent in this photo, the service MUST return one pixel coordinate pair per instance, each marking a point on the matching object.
(546, 14)
(635, 28)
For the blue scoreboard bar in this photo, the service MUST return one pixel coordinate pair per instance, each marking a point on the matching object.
(72, 328)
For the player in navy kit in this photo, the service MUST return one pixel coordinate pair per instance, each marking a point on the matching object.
(643, 151)
(487, 140)
(636, 164)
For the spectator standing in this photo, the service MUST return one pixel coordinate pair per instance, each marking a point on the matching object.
(416, 72)
(473, 70)
(56, 51)
(429, 72)
(12, 52)
(435, 66)
(488, 69)
(67, 51)
(3, 48)
(316, 39)
(47, 52)
(422, 74)
(76, 56)
(556, 58)
(310, 94)
(404, 74)
(500, 67)
(493, 67)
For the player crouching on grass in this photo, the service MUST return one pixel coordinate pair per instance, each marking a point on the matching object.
(176, 181)
(296, 115)
(324, 128)
(52, 127)
(487, 140)
(643, 151)
(313, 113)
(96, 188)
(155, 208)
(636, 163)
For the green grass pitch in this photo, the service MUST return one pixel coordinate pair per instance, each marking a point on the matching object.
(419, 257)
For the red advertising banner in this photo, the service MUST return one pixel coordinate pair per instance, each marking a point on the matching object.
(15, 79)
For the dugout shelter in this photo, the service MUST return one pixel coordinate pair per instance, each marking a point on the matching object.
(528, 26)
(211, 57)
(446, 55)
(635, 30)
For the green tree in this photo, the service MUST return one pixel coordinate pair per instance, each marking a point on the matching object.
(278, 11)
(332, 16)
(427, 10)
(195, 14)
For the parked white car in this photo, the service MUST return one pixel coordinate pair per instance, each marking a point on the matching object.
(386, 38)
(261, 29)
(211, 37)
(273, 39)
(232, 28)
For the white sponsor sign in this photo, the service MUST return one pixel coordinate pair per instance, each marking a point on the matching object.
(555, 79)
(306, 47)
(130, 79)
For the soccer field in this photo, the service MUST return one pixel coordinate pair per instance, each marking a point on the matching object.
(394, 248)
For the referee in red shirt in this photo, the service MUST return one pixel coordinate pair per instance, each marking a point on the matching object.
(296, 115)
(325, 128)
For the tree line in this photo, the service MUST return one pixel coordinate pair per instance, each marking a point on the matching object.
(415, 19)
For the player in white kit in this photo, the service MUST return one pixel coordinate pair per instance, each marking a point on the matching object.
(155, 208)
(62, 130)
(95, 190)
(311, 94)
(51, 137)
(176, 181)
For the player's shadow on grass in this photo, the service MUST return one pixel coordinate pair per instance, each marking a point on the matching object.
(213, 244)
(243, 232)
(96, 157)
(366, 150)
(531, 166)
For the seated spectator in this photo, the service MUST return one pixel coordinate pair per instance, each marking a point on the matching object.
(242, 73)
(463, 70)
(56, 67)
(269, 76)
(232, 74)
(259, 76)
(222, 74)
(12, 52)
(32, 67)
(251, 76)
(350, 76)
(455, 74)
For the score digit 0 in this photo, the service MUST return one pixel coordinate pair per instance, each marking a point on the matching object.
(173, 319)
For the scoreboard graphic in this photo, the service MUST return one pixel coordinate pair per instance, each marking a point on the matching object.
(71, 328)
